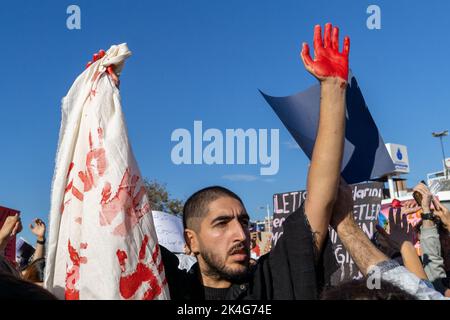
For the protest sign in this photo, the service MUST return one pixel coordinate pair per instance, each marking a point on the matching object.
(365, 155)
(169, 229)
(367, 203)
(412, 216)
(283, 205)
(24, 252)
(10, 249)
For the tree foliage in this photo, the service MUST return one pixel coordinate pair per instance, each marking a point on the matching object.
(160, 198)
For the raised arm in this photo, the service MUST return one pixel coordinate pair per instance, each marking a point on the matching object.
(330, 67)
(38, 229)
(367, 257)
(401, 237)
(10, 228)
(430, 243)
(442, 213)
(361, 249)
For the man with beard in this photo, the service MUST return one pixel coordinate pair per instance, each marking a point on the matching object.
(216, 222)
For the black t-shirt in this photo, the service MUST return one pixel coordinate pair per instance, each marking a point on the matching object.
(289, 271)
(215, 293)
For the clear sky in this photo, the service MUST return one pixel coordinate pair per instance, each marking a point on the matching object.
(205, 60)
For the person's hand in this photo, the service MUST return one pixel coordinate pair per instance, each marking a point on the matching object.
(109, 70)
(11, 227)
(113, 75)
(381, 240)
(343, 207)
(38, 229)
(442, 213)
(426, 196)
(400, 231)
(409, 207)
(328, 62)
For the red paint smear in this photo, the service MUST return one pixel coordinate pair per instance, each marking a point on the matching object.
(143, 248)
(89, 177)
(69, 186)
(129, 284)
(328, 61)
(155, 254)
(100, 133)
(73, 275)
(77, 193)
(63, 205)
(70, 169)
(123, 201)
(90, 141)
(122, 256)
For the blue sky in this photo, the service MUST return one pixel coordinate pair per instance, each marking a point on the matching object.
(205, 60)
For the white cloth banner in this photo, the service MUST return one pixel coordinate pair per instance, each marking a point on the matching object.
(102, 241)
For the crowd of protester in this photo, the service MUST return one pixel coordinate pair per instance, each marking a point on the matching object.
(217, 263)
(428, 268)
(433, 232)
(23, 282)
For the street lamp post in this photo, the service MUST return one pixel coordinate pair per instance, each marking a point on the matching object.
(268, 216)
(440, 135)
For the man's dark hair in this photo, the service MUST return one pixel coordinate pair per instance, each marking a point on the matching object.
(358, 290)
(196, 206)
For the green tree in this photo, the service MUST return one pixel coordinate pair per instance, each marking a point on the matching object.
(160, 198)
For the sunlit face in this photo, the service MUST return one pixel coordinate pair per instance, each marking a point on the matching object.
(223, 240)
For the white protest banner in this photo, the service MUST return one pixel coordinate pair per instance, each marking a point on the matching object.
(102, 240)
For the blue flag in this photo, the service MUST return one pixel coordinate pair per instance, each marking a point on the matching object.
(365, 155)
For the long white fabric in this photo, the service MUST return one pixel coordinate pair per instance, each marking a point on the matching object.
(102, 241)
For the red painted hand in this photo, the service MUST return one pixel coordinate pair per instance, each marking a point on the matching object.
(328, 61)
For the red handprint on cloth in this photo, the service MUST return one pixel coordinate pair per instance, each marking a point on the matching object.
(95, 159)
(328, 61)
(125, 200)
(67, 189)
(73, 274)
(95, 167)
(129, 284)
